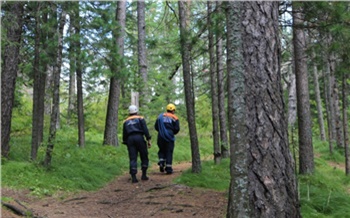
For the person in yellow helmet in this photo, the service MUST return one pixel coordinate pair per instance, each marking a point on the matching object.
(134, 131)
(167, 126)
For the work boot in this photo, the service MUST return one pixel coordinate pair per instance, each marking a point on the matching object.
(169, 170)
(161, 167)
(133, 178)
(144, 174)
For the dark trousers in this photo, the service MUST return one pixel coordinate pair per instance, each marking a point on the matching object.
(165, 153)
(137, 145)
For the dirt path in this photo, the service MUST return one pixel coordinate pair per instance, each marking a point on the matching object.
(157, 197)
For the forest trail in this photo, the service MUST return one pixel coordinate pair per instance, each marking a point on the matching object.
(157, 197)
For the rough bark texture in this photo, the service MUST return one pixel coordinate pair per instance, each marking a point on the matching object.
(213, 87)
(189, 92)
(225, 152)
(271, 179)
(12, 21)
(110, 134)
(306, 155)
(238, 204)
(56, 93)
(318, 103)
(142, 52)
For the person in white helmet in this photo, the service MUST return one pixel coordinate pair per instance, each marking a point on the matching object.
(134, 131)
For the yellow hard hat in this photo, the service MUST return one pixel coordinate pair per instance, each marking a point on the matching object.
(170, 107)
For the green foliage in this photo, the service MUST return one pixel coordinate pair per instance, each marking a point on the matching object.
(22, 116)
(325, 193)
(72, 168)
(213, 176)
(336, 156)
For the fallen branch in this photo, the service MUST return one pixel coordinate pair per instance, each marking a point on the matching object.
(14, 209)
(18, 211)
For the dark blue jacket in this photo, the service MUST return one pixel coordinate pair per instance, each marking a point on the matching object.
(135, 124)
(167, 125)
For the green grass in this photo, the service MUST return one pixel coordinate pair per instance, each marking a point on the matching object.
(74, 168)
(213, 176)
(326, 193)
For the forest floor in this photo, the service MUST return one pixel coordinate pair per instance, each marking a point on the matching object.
(157, 197)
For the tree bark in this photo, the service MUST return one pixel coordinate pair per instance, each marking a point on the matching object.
(142, 52)
(329, 105)
(110, 134)
(56, 93)
(221, 88)
(72, 70)
(79, 75)
(271, 166)
(184, 10)
(345, 95)
(334, 98)
(318, 102)
(213, 87)
(292, 97)
(306, 155)
(39, 81)
(13, 16)
(238, 203)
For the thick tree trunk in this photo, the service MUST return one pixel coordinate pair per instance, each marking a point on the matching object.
(318, 102)
(110, 134)
(271, 166)
(238, 204)
(225, 152)
(12, 21)
(306, 154)
(189, 92)
(142, 53)
(213, 87)
(56, 93)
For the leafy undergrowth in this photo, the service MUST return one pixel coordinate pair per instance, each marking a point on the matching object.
(73, 168)
(323, 194)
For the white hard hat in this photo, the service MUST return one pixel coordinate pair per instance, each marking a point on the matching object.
(132, 109)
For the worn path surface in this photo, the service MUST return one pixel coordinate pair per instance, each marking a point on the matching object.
(157, 197)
